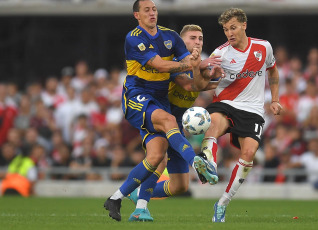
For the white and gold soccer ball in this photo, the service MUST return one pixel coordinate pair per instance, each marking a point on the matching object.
(196, 120)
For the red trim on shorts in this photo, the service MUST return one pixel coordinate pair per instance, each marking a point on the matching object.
(232, 178)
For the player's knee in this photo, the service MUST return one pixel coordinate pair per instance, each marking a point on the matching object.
(154, 158)
(180, 189)
(248, 154)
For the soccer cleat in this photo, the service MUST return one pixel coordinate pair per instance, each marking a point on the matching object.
(201, 177)
(114, 208)
(219, 213)
(133, 196)
(205, 168)
(140, 214)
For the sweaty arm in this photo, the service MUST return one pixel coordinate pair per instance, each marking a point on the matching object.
(164, 66)
(187, 83)
(273, 80)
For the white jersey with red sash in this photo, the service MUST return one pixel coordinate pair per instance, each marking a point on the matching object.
(245, 70)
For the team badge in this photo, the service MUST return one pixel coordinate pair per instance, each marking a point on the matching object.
(258, 55)
(168, 44)
(142, 47)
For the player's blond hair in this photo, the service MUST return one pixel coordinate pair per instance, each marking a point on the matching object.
(231, 13)
(190, 27)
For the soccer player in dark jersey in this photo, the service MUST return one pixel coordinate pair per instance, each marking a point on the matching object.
(182, 94)
(150, 50)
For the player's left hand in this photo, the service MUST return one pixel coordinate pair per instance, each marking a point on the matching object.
(276, 107)
(210, 62)
(195, 57)
(217, 72)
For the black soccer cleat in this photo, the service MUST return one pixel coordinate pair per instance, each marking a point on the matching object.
(201, 177)
(113, 206)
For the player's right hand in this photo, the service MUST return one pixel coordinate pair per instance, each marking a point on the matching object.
(211, 61)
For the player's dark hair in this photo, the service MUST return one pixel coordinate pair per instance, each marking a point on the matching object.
(231, 13)
(190, 27)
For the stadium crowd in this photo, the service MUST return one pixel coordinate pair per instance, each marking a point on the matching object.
(78, 120)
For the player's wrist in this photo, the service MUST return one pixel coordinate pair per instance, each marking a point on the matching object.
(273, 101)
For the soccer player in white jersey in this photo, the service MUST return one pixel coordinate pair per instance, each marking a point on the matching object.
(237, 106)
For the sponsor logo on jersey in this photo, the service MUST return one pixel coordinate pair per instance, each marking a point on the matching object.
(149, 69)
(151, 47)
(168, 44)
(233, 61)
(245, 74)
(258, 55)
(142, 47)
(182, 96)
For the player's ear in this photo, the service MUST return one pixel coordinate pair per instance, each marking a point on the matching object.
(244, 25)
(136, 15)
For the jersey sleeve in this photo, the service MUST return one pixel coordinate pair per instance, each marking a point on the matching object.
(138, 49)
(270, 59)
(180, 48)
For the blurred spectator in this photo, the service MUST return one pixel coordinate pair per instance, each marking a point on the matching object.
(7, 153)
(62, 158)
(82, 75)
(50, 96)
(13, 92)
(23, 119)
(34, 91)
(307, 101)
(310, 161)
(66, 78)
(8, 112)
(289, 101)
(22, 173)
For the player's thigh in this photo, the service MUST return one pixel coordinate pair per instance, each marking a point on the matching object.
(219, 125)
(163, 121)
(249, 147)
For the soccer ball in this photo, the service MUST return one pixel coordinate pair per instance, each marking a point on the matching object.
(196, 120)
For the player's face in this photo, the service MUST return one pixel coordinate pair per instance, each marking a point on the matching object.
(235, 32)
(147, 15)
(193, 39)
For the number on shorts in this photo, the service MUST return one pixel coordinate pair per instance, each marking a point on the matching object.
(259, 130)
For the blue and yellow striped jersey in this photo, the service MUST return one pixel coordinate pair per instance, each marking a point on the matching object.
(180, 99)
(140, 47)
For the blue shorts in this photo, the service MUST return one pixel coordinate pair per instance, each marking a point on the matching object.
(138, 112)
(176, 163)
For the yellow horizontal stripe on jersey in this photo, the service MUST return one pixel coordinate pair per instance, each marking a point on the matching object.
(147, 72)
(164, 28)
(135, 103)
(134, 107)
(137, 32)
(180, 97)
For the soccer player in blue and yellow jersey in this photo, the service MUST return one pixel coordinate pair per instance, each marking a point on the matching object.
(182, 95)
(150, 50)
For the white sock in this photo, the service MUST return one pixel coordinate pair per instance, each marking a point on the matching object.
(117, 195)
(239, 174)
(209, 147)
(141, 203)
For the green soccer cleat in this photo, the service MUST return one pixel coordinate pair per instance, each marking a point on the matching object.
(133, 196)
(205, 168)
(219, 213)
(140, 214)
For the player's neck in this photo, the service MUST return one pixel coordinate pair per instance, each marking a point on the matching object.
(151, 30)
(243, 45)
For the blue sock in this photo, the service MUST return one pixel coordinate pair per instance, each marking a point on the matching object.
(162, 190)
(180, 144)
(147, 187)
(138, 175)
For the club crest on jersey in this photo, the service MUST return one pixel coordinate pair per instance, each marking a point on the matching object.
(168, 44)
(142, 47)
(258, 55)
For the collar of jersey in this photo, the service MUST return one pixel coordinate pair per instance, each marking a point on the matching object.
(248, 46)
(149, 35)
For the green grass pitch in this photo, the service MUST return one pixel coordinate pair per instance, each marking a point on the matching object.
(169, 214)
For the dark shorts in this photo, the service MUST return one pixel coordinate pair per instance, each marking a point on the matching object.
(242, 123)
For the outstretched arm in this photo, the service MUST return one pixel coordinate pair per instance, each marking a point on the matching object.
(164, 66)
